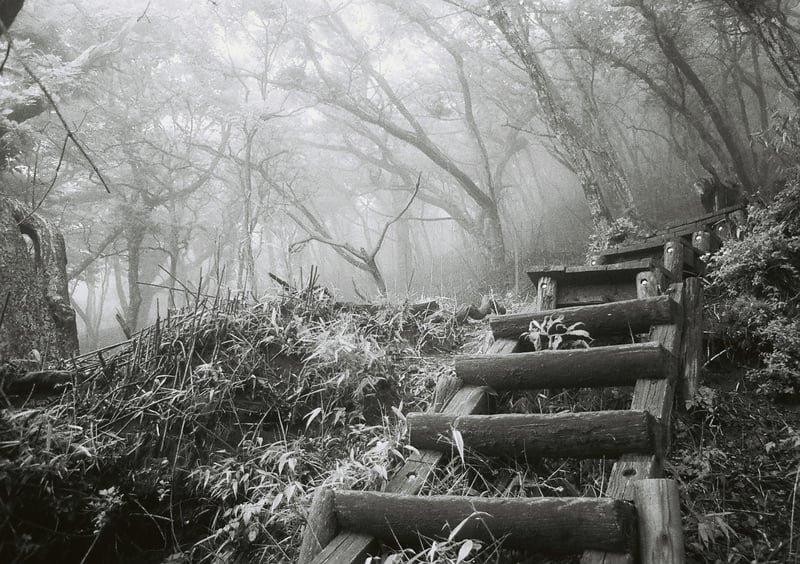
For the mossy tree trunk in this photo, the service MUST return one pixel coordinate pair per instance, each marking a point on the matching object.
(34, 297)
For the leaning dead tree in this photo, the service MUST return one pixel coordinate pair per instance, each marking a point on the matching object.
(361, 258)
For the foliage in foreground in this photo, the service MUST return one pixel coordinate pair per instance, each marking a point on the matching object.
(758, 280)
(736, 457)
(204, 436)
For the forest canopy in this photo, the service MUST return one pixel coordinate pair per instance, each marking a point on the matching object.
(401, 146)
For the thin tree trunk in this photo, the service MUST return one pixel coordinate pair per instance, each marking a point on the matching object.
(769, 24)
(726, 130)
(134, 238)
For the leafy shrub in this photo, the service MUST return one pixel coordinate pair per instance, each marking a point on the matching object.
(758, 281)
(553, 334)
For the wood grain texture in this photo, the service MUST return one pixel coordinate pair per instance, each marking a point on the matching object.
(649, 248)
(701, 240)
(546, 293)
(347, 548)
(548, 525)
(692, 340)
(321, 526)
(659, 517)
(616, 318)
(616, 365)
(592, 434)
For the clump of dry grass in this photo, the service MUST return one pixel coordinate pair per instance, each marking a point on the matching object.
(203, 436)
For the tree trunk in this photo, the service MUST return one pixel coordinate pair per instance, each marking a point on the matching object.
(35, 310)
(769, 24)
(134, 237)
(555, 116)
(739, 160)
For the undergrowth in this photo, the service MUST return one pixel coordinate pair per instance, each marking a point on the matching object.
(202, 439)
(757, 283)
(736, 456)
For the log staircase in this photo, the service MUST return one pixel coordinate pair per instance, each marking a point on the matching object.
(649, 288)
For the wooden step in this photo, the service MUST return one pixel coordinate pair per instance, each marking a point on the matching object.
(583, 285)
(544, 525)
(692, 233)
(615, 365)
(653, 247)
(591, 434)
(614, 318)
(705, 219)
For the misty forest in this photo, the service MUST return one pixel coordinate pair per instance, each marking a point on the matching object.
(254, 252)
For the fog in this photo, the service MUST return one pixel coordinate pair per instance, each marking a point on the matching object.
(396, 147)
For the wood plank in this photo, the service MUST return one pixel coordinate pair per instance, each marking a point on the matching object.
(659, 517)
(597, 284)
(351, 547)
(703, 242)
(593, 274)
(628, 317)
(675, 254)
(652, 247)
(616, 365)
(321, 525)
(709, 217)
(347, 548)
(692, 341)
(691, 234)
(592, 434)
(548, 525)
(656, 397)
(546, 293)
(587, 294)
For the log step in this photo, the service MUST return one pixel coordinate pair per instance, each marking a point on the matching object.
(545, 525)
(652, 247)
(591, 434)
(614, 318)
(616, 365)
(579, 285)
(706, 219)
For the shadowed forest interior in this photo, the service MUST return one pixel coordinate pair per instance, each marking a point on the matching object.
(241, 241)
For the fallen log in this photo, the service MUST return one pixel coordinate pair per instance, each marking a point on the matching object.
(39, 380)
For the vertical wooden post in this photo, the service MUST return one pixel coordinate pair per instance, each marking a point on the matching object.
(673, 259)
(660, 528)
(723, 229)
(646, 285)
(321, 525)
(546, 293)
(692, 340)
(701, 240)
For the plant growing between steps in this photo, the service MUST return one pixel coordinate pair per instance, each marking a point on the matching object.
(552, 334)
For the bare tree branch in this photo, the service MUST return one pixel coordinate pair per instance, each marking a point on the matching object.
(395, 219)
